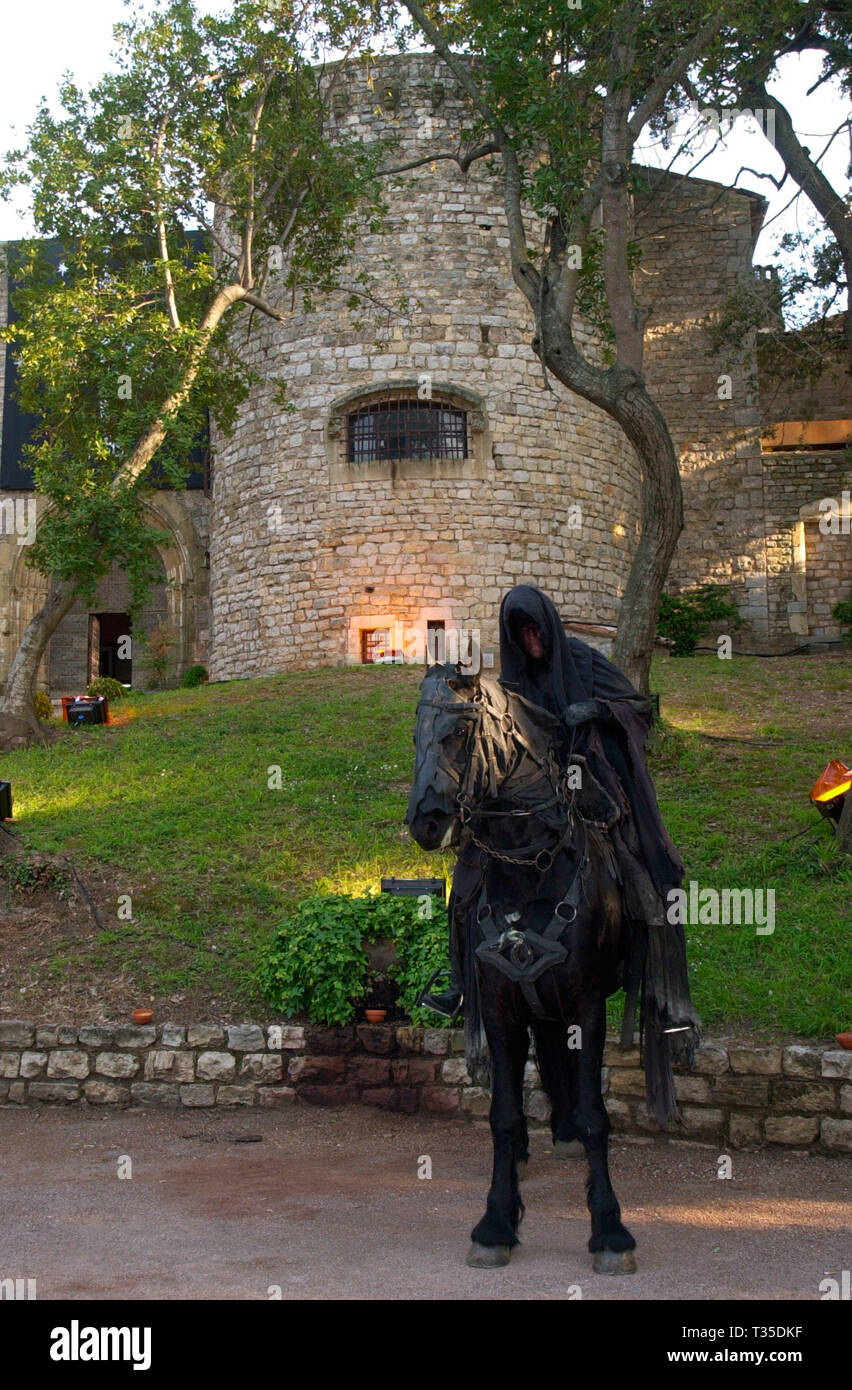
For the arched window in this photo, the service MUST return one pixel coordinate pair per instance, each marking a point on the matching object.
(395, 433)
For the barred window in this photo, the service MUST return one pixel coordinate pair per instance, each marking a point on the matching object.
(402, 428)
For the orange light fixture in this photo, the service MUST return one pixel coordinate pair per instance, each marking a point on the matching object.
(831, 787)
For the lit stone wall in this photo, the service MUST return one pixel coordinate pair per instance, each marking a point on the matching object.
(304, 554)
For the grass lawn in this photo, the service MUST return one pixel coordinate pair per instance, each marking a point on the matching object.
(172, 805)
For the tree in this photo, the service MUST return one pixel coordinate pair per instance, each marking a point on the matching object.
(128, 342)
(562, 94)
(735, 74)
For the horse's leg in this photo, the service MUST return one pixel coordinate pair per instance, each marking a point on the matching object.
(497, 1233)
(558, 1080)
(611, 1242)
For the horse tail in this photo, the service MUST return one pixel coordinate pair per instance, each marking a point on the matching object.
(669, 1027)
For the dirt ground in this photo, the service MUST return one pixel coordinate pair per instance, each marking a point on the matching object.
(328, 1204)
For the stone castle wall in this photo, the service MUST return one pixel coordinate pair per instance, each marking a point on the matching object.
(305, 551)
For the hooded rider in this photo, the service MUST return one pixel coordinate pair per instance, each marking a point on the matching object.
(606, 721)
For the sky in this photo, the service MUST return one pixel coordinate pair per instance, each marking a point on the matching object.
(44, 38)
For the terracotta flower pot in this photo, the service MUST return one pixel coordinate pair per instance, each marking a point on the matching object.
(845, 1040)
(143, 1015)
(376, 1015)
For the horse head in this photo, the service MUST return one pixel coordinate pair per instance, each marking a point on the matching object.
(470, 737)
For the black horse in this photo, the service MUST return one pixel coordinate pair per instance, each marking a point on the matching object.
(545, 940)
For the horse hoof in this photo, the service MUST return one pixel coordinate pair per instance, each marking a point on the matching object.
(568, 1148)
(488, 1256)
(614, 1262)
(521, 1166)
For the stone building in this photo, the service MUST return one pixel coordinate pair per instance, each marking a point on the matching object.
(428, 466)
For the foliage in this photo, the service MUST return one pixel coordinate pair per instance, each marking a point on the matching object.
(196, 675)
(842, 613)
(42, 705)
(684, 617)
(316, 962)
(128, 331)
(159, 642)
(105, 685)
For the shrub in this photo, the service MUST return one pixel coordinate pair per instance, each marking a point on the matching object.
(42, 705)
(842, 613)
(196, 675)
(682, 618)
(316, 962)
(105, 685)
(159, 642)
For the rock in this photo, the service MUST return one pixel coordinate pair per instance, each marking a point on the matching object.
(70, 1063)
(154, 1093)
(316, 1068)
(122, 1064)
(455, 1072)
(54, 1090)
(105, 1093)
(741, 1090)
(699, 1119)
(32, 1063)
(172, 1035)
(369, 1071)
(102, 1035)
(10, 1064)
(262, 1067)
(215, 1066)
(235, 1095)
(624, 1082)
(169, 1065)
(745, 1130)
(537, 1107)
(246, 1037)
(195, 1095)
(285, 1036)
(329, 1095)
(694, 1088)
(439, 1100)
(760, 1061)
(400, 1098)
(205, 1035)
(710, 1060)
(130, 1035)
(276, 1095)
(409, 1038)
(814, 1098)
(377, 1037)
(16, 1033)
(414, 1071)
(790, 1129)
(436, 1041)
(801, 1061)
(475, 1100)
(335, 1041)
(837, 1134)
(837, 1064)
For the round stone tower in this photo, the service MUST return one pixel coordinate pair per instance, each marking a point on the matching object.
(428, 467)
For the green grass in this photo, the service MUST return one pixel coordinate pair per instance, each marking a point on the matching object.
(173, 805)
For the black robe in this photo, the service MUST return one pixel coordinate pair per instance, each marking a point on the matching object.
(612, 736)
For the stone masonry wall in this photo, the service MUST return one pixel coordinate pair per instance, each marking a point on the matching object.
(304, 551)
(742, 1096)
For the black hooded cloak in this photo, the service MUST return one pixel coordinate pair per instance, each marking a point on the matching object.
(610, 729)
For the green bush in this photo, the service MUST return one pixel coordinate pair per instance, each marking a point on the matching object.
(316, 962)
(196, 675)
(105, 685)
(842, 613)
(42, 705)
(684, 617)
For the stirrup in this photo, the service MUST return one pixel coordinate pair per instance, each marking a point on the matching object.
(448, 1005)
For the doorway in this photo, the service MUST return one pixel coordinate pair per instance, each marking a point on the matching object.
(110, 646)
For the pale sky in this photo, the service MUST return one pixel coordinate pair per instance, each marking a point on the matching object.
(44, 38)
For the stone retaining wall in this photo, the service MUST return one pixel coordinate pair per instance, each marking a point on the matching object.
(736, 1095)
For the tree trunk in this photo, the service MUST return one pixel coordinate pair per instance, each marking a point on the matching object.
(622, 394)
(17, 712)
(844, 825)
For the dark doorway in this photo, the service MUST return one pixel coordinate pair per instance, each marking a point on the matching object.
(109, 646)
